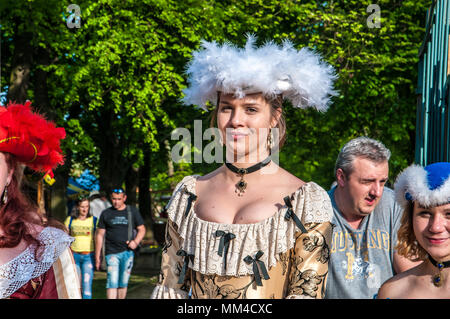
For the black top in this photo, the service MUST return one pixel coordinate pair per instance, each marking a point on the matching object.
(115, 222)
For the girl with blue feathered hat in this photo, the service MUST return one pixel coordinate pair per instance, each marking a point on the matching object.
(249, 229)
(424, 234)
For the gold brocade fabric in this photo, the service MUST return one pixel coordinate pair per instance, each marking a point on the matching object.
(296, 262)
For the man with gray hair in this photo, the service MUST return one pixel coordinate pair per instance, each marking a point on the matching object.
(366, 219)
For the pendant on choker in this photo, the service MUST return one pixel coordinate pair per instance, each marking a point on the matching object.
(438, 279)
(241, 186)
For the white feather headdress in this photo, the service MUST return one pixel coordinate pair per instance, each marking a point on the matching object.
(429, 185)
(301, 76)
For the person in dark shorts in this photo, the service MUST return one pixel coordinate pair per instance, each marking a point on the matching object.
(113, 227)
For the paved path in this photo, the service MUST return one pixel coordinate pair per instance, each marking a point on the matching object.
(143, 278)
(142, 291)
(146, 265)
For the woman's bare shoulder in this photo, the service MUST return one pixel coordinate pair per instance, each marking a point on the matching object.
(288, 179)
(210, 183)
(209, 176)
(399, 286)
(209, 179)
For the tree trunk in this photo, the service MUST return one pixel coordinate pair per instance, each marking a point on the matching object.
(131, 185)
(144, 189)
(170, 169)
(58, 199)
(113, 167)
(41, 101)
(20, 69)
(40, 197)
(41, 104)
(58, 208)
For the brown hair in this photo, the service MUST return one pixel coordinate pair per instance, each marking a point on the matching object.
(276, 104)
(18, 211)
(407, 245)
(75, 213)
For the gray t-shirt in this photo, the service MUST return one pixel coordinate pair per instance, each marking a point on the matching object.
(361, 260)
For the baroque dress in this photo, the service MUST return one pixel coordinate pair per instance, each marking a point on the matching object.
(283, 256)
(49, 275)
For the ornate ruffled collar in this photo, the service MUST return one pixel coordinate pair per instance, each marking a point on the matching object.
(24, 267)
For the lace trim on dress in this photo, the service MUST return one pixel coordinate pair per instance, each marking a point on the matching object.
(299, 297)
(272, 236)
(24, 267)
(163, 292)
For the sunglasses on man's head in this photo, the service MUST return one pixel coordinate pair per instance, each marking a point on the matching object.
(118, 190)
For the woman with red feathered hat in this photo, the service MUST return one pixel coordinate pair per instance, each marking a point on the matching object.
(35, 259)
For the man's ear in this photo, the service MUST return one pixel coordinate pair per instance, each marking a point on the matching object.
(341, 179)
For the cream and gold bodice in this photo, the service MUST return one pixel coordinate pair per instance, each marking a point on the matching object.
(283, 256)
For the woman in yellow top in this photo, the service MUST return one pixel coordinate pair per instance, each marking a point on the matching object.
(81, 225)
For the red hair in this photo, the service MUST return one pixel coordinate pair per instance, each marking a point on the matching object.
(18, 212)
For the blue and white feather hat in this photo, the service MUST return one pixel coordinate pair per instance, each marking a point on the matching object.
(300, 76)
(429, 185)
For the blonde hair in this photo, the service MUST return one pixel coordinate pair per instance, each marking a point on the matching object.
(407, 245)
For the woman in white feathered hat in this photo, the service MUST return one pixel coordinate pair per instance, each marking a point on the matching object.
(424, 234)
(250, 229)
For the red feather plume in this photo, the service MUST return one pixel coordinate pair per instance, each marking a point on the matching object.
(30, 137)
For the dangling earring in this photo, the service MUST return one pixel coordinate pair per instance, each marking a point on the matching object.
(270, 141)
(5, 196)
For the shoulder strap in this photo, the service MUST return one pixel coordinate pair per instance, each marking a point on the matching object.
(70, 223)
(95, 223)
(130, 222)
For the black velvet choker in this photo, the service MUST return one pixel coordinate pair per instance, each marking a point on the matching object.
(242, 185)
(439, 278)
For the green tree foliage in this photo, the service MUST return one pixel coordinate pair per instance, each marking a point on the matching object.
(377, 69)
(115, 82)
(36, 41)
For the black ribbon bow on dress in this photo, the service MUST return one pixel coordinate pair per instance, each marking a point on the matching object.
(224, 244)
(190, 199)
(257, 262)
(187, 257)
(290, 214)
